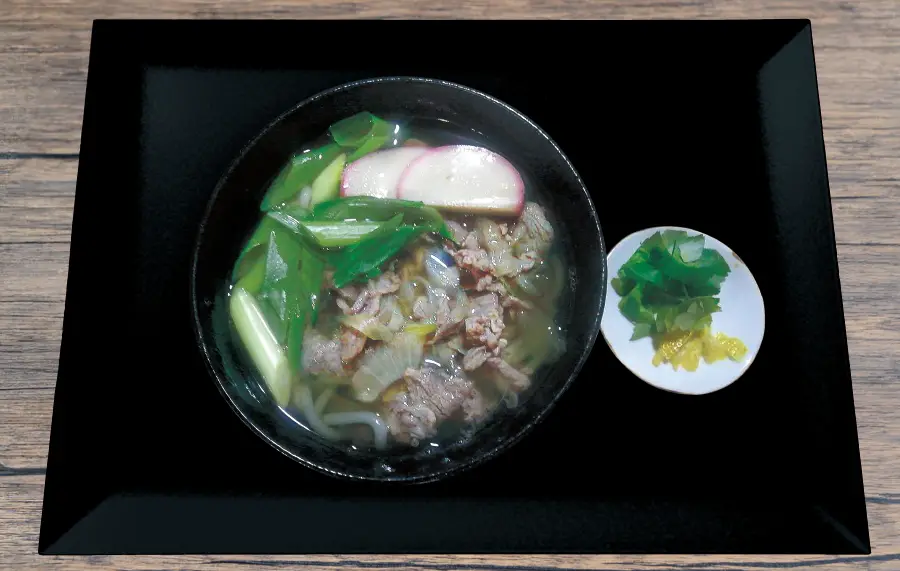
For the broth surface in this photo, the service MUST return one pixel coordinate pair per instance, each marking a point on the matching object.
(381, 321)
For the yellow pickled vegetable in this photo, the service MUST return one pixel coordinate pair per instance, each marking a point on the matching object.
(721, 346)
(686, 348)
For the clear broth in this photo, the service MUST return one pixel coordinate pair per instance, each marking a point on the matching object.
(360, 436)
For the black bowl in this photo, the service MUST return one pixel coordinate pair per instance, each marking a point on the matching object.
(233, 212)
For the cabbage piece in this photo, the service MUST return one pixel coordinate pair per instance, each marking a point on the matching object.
(385, 364)
(422, 330)
(368, 325)
(390, 314)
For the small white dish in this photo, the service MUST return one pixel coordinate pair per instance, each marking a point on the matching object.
(742, 315)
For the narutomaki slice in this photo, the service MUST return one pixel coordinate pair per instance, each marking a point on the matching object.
(464, 178)
(378, 174)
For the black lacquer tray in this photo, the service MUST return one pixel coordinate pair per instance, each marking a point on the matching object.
(713, 126)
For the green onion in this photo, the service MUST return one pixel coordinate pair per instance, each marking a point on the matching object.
(364, 132)
(363, 260)
(381, 209)
(334, 234)
(253, 249)
(327, 185)
(261, 344)
(299, 172)
(326, 233)
(252, 281)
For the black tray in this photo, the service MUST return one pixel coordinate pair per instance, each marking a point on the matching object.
(713, 126)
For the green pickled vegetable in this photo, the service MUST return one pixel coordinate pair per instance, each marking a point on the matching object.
(364, 259)
(632, 307)
(380, 209)
(327, 185)
(670, 283)
(299, 172)
(362, 132)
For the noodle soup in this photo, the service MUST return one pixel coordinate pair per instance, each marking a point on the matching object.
(404, 283)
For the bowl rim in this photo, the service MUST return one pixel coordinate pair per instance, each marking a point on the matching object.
(475, 459)
(745, 366)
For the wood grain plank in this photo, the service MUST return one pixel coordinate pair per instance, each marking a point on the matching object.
(42, 98)
(44, 49)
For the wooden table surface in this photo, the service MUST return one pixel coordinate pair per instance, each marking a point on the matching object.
(43, 66)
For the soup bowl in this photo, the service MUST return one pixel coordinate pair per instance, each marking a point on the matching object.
(233, 212)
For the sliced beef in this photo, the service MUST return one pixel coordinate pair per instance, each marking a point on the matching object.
(475, 357)
(353, 299)
(485, 323)
(442, 310)
(491, 250)
(486, 283)
(450, 323)
(473, 406)
(471, 256)
(509, 301)
(430, 397)
(321, 354)
(409, 422)
(352, 344)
